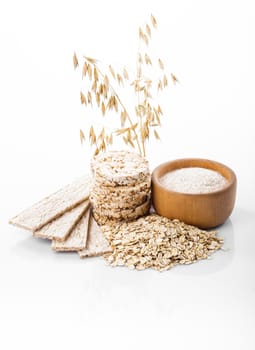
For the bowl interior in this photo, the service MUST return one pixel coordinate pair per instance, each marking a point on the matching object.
(194, 162)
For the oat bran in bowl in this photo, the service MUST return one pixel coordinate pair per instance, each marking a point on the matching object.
(209, 208)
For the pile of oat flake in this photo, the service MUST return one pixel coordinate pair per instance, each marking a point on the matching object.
(157, 242)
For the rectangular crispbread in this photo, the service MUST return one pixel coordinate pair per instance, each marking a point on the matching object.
(53, 206)
(78, 237)
(96, 242)
(60, 228)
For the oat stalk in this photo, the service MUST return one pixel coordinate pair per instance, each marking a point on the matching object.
(134, 128)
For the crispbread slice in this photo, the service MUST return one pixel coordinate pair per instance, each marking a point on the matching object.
(53, 206)
(96, 244)
(60, 228)
(78, 237)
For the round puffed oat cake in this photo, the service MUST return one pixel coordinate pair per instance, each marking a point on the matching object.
(120, 187)
(119, 168)
(118, 202)
(103, 217)
(129, 190)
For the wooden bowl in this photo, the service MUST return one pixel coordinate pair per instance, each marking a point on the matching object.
(205, 210)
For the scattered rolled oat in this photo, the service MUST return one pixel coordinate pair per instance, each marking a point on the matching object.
(157, 242)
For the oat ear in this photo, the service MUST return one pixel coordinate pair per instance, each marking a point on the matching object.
(103, 92)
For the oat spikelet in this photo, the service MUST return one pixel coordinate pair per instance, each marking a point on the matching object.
(116, 105)
(91, 60)
(161, 64)
(124, 139)
(82, 136)
(89, 97)
(153, 21)
(105, 91)
(89, 71)
(83, 98)
(110, 140)
(75, 61)
(156, 135)
(147, 59)
(174, 79)
(124, 130)
(160, 110)
(84, 70)
(119, 79)
(92, 136)
(157, 117)
(106, 82)
(103, 108)
(103, 146)
(130, 142)
(95, 74)
(139, 74)
(143, 36)
(140, 59)
(165, 81)
(102, 134)
(160, 86)
(148, 30)
(140, 33)
(121, 131)
(110, 103)
(123, 117)
(145, 39)
(112, 72)
(98, 99)
(94, 86)
(125, 74)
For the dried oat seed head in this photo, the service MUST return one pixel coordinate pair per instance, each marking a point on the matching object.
(75, 61)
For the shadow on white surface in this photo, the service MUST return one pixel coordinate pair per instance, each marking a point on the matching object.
(35, 248)
(32, 248)
(98, 290)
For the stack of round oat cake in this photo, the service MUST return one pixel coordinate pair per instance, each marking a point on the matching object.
(120, 187)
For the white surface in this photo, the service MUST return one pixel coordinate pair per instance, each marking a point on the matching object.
(57, 301)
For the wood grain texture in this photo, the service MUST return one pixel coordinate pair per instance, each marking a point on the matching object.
(205, 210)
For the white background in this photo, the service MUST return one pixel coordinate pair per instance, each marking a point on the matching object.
(57, 301)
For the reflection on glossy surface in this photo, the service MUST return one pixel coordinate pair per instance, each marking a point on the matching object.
(32, 247)
(215, 295)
